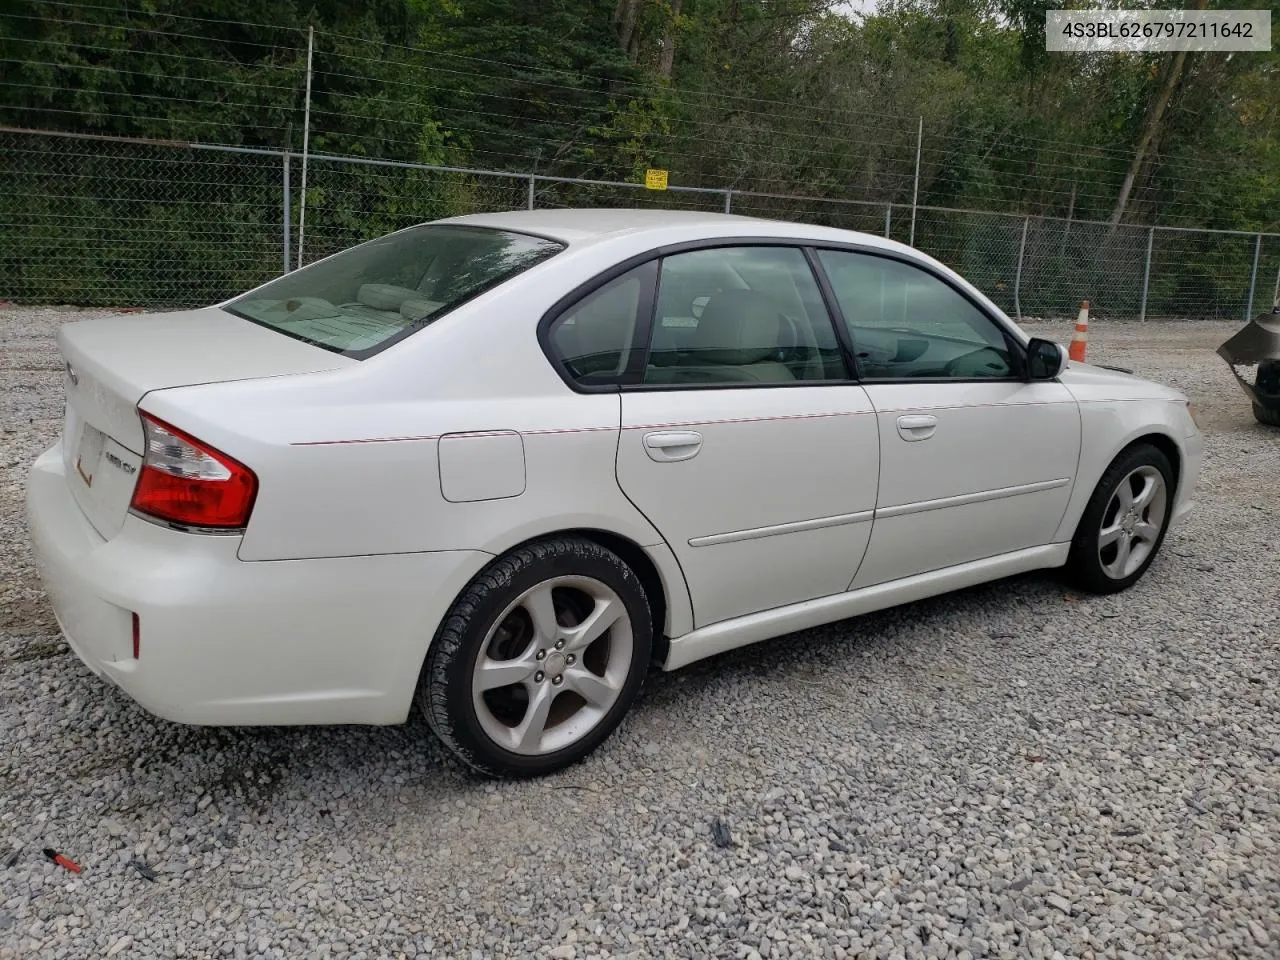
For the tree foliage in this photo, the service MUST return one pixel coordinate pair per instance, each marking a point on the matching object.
(795, 96)
(767, 97)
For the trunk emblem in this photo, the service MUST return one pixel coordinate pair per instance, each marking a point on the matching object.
(73, 376)
(119, 464)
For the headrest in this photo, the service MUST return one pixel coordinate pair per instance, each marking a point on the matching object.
(738, 327)
(383, 296)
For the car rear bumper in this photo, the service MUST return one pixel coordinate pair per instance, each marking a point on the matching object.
(228, 642)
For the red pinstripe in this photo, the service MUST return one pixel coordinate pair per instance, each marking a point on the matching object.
(675, 423)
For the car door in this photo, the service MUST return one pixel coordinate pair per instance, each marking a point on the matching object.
(976, 461)
(743, 439)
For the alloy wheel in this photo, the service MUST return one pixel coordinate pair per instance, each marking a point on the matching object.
(1132, 522)
(551, 667)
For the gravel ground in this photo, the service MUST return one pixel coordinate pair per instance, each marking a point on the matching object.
(1008, 771)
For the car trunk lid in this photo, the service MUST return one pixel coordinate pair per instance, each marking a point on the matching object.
(111, 363)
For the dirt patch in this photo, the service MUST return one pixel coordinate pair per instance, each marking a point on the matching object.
(38, 651)
(25, 616)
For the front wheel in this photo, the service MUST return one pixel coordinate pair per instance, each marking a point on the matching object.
(1124, 522)
(538, 659)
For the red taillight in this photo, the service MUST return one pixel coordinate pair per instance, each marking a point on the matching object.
(137, 637)
(187, 482)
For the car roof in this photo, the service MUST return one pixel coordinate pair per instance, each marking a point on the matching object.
(649, 229)
(581, 226)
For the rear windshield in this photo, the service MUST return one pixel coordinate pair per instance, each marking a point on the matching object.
(363, 299)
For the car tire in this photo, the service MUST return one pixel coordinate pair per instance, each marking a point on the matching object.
(1270, 416)
(1266, 386)
(524, 619)
(1121, 532)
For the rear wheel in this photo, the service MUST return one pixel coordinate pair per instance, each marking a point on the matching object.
(1124, 522)
(538, 659)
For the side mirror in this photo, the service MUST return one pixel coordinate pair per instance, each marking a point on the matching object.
(1045, 359)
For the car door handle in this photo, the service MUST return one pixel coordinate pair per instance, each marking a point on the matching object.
(676, 445)
(917, 427)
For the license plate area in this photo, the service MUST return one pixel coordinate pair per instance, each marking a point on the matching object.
(89, 453)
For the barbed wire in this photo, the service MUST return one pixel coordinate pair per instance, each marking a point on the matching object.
(117, 10)
(825, 159)
(687, 97)
(135, 117)
(692, 97)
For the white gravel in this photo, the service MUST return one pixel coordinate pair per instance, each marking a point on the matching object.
(1009, 771)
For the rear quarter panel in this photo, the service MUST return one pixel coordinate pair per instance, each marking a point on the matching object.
(348, 461)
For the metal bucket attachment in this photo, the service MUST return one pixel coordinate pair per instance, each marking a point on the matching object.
(1254, 357)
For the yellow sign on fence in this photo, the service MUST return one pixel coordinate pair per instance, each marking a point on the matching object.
(655, 179)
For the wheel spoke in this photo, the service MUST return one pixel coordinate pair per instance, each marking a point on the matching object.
(1147, 532)
(605, 614)
(1124, 546)
(528, 734)
(1110, 535)
(542, 612)
(1147, 493)
(1124, 494)
(597, 691)
(492, 674)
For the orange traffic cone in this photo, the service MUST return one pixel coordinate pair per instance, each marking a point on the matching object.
(1081, 340)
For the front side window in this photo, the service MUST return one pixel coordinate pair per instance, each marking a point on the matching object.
(906, 323)
(372, 295)
(741, 315)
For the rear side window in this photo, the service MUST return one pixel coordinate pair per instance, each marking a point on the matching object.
(366, 298)
(594, 338)
(749, 315)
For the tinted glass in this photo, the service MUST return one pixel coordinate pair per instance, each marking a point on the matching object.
(594, 338)
(745, 315)
(373, 294)
(906, 323)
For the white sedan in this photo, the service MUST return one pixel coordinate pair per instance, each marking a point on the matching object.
(497, 465)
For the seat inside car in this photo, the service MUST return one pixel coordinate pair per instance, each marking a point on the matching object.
(737, 340)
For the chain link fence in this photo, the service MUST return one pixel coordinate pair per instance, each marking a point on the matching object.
(351, 199)
(103, 222)
(1200, 274)
(1065, 261)
(564, 192)
(108, 221)
(844, 214)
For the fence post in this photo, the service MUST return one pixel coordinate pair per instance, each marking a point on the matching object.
(1017, 277)
(1275, 294)
(888, 216)
(1071, 212)
(1253, 278)
(728, 200)
(533, 189)
(1146, 276)
(306, 144)
(287, 215)
(915, 191)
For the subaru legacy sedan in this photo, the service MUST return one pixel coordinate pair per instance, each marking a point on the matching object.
(496, 466)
